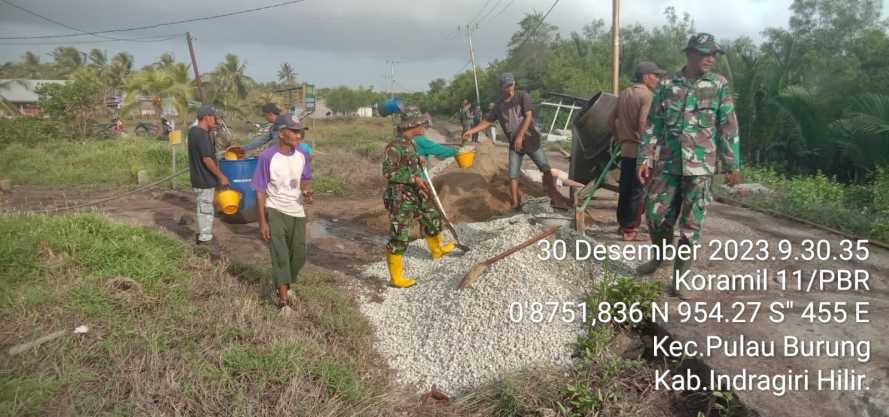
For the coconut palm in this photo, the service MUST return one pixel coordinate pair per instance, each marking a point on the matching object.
(68, 60)
(30, 67)
(98, 58)
(124, 60)
(287, 75)
(171, 83)
(229, 83)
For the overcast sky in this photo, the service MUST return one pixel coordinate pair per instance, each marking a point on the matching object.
(334, 42)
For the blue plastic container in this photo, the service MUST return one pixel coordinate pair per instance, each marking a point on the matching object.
(240, 174)
(392, 106)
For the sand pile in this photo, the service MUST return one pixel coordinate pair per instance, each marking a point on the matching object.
(481, 192)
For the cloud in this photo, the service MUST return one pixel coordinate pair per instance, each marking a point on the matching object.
(349, 41)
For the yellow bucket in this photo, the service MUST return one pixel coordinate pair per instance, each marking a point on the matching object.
(227, 201)
(231, 156)
(464, 160)
(175, 137)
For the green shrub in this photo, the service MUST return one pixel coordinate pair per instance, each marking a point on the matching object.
(30, 130)
(762, 174)
(814, 191)
(880, 187)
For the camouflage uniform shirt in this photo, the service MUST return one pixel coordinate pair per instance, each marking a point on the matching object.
(692, 127)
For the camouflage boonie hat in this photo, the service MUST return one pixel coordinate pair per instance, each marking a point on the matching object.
(411, 117)
(704, 43)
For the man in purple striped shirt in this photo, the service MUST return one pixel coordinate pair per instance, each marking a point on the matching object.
(283, 184)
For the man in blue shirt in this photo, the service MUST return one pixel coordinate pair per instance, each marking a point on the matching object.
(270, 112)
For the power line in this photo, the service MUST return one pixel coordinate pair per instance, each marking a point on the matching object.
(504, 8)
(157, 25)
(543, 19)
(481, 10)
(35, 14)
(147, 39)
(494, 7)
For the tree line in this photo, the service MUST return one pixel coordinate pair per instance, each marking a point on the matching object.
(810, 97)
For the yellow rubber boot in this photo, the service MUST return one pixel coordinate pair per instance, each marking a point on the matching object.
(434, 245)
(446, 247)
(396, 272)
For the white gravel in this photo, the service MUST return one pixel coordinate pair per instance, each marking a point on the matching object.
(434, 333)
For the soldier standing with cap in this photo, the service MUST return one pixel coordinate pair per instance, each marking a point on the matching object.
(692, 135)
(407, 197)
(627, 122)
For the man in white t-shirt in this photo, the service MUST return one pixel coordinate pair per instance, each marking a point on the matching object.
(283, 186)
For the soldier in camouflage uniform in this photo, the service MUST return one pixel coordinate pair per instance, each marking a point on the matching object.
(692, 130)
(407, 197)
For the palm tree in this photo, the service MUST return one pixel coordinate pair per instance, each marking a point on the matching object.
(68, 60)
(164, 61)
(30, 66)
(124, 60)
(98, 58)
(171, 82)
(229, 82)
(861, 136)
(287, 75)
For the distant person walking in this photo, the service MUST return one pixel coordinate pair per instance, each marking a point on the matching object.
(465, 116)
(628, 122)
(476, 119)
(205, 174)
(692, 135)
(283, 184)
(491, 132)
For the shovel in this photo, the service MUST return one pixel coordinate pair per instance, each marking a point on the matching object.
(480, 268)
(440, 209)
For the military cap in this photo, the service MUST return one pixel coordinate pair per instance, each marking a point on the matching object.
(411, 117)
(704, 43)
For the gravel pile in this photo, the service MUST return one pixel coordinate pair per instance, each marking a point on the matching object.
(434, 333)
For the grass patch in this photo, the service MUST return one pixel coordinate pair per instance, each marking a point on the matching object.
(859, 209)
(93, 163)
(171, 333)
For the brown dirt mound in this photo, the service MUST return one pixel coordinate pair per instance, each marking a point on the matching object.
(481, 192)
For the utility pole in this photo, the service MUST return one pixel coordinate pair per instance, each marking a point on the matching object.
(392, 77)
(194, 66)
(615, 37)
(469, 29)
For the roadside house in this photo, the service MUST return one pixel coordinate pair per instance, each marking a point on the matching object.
(21, 95)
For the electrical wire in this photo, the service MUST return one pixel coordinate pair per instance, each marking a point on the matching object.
(147, 39)
(488, 14)
(64, 25)
(504, 8)
(543, 19)
(157, 25)
(479, 13)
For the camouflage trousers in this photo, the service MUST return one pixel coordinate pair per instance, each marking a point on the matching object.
(676, 196)
(404, 205)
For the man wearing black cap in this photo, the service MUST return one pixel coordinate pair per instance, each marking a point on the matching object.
(205, 175)
(692, 135)
(270, 112)
(282, 181)
(516, 117)
(627, 122)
